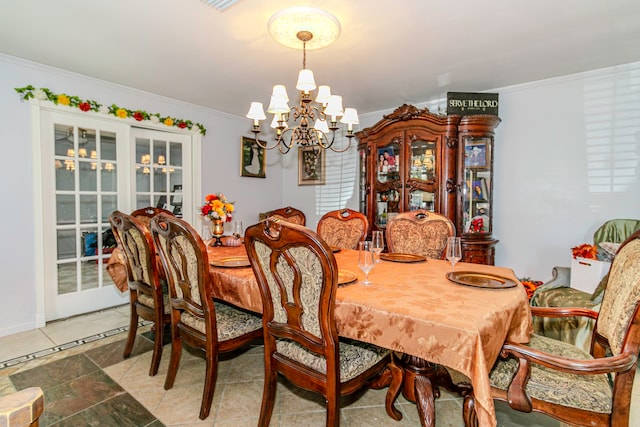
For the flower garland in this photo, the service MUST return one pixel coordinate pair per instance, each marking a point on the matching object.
(44, 94)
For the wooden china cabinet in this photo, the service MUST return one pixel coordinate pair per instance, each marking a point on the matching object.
(414, 159)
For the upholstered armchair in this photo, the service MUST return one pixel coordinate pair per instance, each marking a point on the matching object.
(558, 293)
(586, 388)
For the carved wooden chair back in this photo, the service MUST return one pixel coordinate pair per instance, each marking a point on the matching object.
(144, 215)
(343, 228)
(195, 319)
(419, 232)
(297, 275)
(289, 214)
(559, 379)
(146, 298)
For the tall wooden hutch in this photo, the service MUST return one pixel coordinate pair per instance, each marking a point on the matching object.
(414, 159)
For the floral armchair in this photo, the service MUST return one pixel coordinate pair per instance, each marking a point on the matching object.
(558, 293)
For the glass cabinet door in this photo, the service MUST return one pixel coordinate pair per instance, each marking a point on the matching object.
(389, 186)
(476, 191)
(423, 161)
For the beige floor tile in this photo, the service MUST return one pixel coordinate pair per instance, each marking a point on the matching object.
(74, 328)
(23, 343)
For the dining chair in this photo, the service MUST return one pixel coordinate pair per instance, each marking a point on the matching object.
(419, 232)
(563, 381)
(289, 214)
(144, 215)
(198, 321)
(297, 275)
(146, 298)
(343, 228)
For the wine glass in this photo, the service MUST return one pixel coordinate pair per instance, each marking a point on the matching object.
(454, 251)
(237, 229)
(377, 243)
(365, 259)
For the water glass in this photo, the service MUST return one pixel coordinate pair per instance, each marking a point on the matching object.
(365, 260)
(454, 251)
(377, 243)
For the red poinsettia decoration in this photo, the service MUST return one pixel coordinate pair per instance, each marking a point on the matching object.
(530, 285)
(585, 251)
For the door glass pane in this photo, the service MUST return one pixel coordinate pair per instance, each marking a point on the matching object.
(109, 204)
(65, 209)
(88, 176)
(65, 174)
(88, 209)
(63, 139)
(175, 154)
(108, 177)
(159, 179)
(142, 201)
(67, 277)
(66, 242)
(89, 274)
(108, 146)
(143, 178)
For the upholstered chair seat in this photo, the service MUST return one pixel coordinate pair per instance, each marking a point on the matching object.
(230, 322)
(588, 392)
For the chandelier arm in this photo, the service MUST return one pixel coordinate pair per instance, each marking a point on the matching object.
(264, 145)
(335, 150)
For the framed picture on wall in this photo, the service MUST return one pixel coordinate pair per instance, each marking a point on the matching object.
(311, 166)
(253, 158)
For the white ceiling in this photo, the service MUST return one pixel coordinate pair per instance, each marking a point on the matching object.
(388, 53)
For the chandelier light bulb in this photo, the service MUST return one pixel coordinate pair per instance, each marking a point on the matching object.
(256, 112)
(334, 107)
(350, 118)
(280, 91)
(324, 93)
(278, 105)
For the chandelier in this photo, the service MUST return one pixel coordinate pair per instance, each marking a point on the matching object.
(313, 124)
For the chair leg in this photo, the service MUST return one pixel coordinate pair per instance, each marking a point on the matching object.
(176, 351)
(133, 330)
(268, 397)
(157, 347)
(209, 385)
(333, 408)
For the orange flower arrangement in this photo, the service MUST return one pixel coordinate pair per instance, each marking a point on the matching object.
(530, 286)
(216, 206)
(585, 251)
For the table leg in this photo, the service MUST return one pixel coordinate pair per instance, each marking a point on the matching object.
(421, 384)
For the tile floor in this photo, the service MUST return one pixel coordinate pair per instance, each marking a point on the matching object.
(78, 363)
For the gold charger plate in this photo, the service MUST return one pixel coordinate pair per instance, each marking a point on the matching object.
(480, 280)
(402, 257)
(345, 277)
(232, 261)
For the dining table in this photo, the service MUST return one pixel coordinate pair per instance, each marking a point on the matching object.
(415, 309)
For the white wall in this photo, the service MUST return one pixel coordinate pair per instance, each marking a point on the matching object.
(546, 196)
(220, 163)
(560, 142)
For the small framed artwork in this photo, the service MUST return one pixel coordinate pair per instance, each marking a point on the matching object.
(311, 166)
(479, 190)
(476, 154)
(253, 158)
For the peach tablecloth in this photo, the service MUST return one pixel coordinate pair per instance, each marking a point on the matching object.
(414, 309)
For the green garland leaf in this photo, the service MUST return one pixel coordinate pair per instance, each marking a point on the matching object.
(44, 94)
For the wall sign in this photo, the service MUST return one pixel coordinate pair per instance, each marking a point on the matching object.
(465, 103)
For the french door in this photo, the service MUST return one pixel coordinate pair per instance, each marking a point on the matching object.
(89, 168)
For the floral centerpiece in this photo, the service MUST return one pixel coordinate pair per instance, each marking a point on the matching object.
(217, 207)
(585, 251)
(530, 285)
